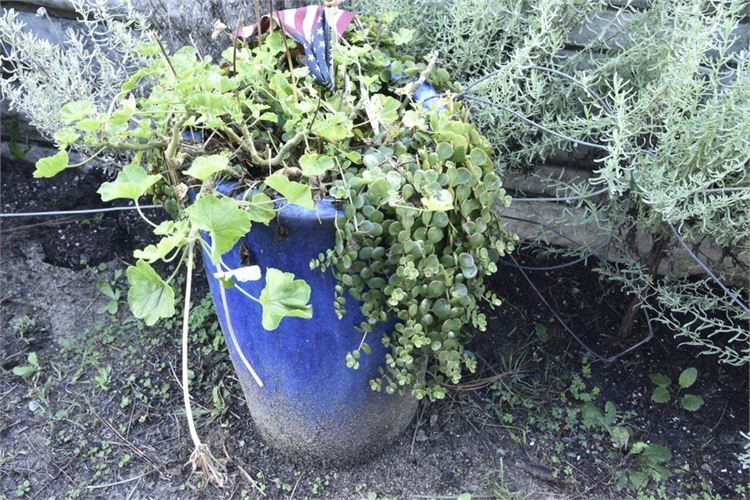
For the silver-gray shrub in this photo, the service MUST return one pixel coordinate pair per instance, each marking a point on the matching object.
(675, 119)
(96, 55)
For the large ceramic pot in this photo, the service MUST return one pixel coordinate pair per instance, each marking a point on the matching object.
(311, 406)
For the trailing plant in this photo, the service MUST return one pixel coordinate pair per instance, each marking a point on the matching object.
(244, 137)
(657, 95)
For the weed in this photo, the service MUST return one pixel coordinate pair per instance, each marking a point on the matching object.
(661, 394)
(110, 290)
(31, 370)
(23, 488)
(23, 326)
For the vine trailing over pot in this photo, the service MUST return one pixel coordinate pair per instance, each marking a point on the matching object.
(225, 145)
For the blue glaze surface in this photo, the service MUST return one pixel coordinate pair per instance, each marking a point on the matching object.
(302, 362)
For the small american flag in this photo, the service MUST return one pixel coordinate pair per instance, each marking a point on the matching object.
(313, 28)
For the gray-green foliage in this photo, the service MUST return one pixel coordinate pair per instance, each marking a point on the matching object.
(91, 64)
(674, 79)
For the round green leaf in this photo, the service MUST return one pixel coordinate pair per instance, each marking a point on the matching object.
(691, 402)
(688, 377)
(51, 165)
(204, 167)
(660, 379)
(660, 395)
(131, 183)
(444, 151)
(149, 297)
(315, 164)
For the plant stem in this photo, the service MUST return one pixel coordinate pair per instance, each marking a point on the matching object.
(626, 325)
(233, 337)
(185, 330)
(247, 145)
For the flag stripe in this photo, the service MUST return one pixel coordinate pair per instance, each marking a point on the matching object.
(313, 27)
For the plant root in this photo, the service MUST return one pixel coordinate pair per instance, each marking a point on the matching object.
(206, 466)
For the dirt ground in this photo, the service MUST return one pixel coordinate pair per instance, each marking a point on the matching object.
(102, 416)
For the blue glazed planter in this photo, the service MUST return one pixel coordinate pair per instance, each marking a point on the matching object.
(311, 406)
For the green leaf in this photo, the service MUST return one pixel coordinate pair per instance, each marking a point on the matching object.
(294, 192)
(691, 402)
(223, 219)
(412, 119)
(51, 165)
(403, 36)
(660, 395)
(149, 297)
(478, 157)
(204, 167)
(656, 453)
(333, 128)
(688, 377)
(65, 137)
(77, 110)
(283, 296)
(215, 104)
(162, 249)
(131, 183)
(269, 117)
(315, 164)
(246, 273)
(441, 202)
(444, 150)
(89, 125)
(24, 371)
(261, 208)
(638, 447)
(384, 108)
(620, 436)
(638, 479)
(660, 379)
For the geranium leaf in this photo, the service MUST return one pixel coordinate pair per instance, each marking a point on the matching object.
(246, 273)
(283, 296)
(333, 128)
(223, 219)
(51, 165)
(261, 208)
(149, 297)
(77, 110)
(385, 108)
(165, 246)
(204, 167)
(315, 164)
(131, 183)
(294, 192)
(403, 36)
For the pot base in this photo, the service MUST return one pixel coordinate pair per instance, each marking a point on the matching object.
(344, 436)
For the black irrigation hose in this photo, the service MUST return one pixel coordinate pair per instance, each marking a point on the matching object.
(589, 350)
(708, 271)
